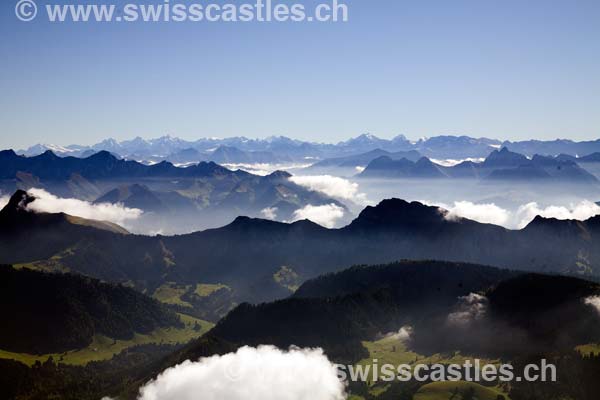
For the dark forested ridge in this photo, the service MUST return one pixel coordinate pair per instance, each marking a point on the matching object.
(522, 310)
(477, 310)
(411, 279)
(54, 380)
(525, 315)
(246, 254)
(52, 313)
(357, 304)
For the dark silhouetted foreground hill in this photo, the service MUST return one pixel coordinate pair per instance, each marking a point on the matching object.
(51, 313)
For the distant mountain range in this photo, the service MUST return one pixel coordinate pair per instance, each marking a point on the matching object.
(282, 149)
(499, 165)
(351, 165)
(198, 196)
(261, 260)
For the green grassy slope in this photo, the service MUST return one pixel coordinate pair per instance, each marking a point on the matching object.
(104, 348)
(457, 391)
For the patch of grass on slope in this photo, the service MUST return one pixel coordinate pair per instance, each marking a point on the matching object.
(393, 350)
(287, 278)
(456, 390)
(206, 289)
(589, 349)
(104, 348)
(170, 293)
(53, 264)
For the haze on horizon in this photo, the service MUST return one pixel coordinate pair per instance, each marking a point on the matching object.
(151, 138)
(508, 70)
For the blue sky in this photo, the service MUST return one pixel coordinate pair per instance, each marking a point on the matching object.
(505, 69)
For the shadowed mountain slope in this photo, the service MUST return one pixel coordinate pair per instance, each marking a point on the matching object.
(248, 255)
(52, 313)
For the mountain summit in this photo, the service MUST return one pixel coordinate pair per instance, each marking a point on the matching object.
(397, 213)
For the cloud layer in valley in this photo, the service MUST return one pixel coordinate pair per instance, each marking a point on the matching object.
(265, 373)
(403, 333)
(519, 218)
(269, 213)
(581, 211)
(326, 215)
(332, 186)
(116, 213)
(470, 308)
(593, 301)
(486, 213)
(264, 169)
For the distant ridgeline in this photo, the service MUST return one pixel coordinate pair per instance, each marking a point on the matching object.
(284, 149)
(500, 165)
(204, 191)
(204, 194)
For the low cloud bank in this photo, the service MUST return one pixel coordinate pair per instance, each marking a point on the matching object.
(269, 213)
(264, 169)
(403, 333)
(523, 215)
(332, 186)
(593, 301)
(449, 162)
(582, 211)
(326, 215)
(486, 213)
(116, 213)
(470, 308)
(265, 373)
(3, 201)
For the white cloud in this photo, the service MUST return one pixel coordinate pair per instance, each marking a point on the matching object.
(326, 215)
(116, 213)
(582, 211)
(4, 201)
(486, 213)
(519, 218)
(470, 308)
(263, 169)
(269, 213)
(403, 333)
(264, 373)
(451, 162)
(593, 301)
(332, 186)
